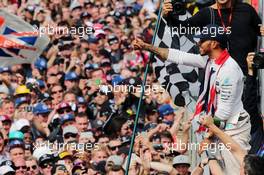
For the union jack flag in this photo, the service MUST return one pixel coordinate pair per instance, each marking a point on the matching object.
(19, 41)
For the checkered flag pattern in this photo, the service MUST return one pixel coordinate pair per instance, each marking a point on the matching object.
(182, 82)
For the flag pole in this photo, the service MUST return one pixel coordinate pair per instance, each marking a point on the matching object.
(142, 93)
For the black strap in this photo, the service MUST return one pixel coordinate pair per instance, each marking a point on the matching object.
(212, 16)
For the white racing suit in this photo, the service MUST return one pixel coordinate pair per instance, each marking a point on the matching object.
(229, 88)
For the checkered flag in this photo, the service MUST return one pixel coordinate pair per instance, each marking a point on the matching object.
(182, 82)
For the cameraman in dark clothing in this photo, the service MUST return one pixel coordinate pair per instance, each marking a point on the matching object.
(240, 18)
(251, 105)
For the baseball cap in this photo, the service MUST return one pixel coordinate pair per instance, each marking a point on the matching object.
(5, 118)
(15, 135)
(40, 151)
(81, 100)
(116, 160)
(105, 63)
(86, 14)
(87, 134)
(22, 89)
(74, 5)
(71, 76)
(45, 158)
(165, 110)
(133, 81)
(91, 66)
(41, 64)
(19, 125)
(41, 108)
(93, 39)
(67, 117)
(41, 83)
(21, 100)
(97, 124)
(64, 154)
(16, 144)
(70, 129)
(117, 79)
(180, 159)
(5, 69)
(6, 169)
(213, 32)
(63, 105)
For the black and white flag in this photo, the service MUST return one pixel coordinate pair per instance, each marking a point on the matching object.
(180, 81)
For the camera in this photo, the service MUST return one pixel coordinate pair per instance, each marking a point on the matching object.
(258, 60)
(28, 108)
(179, 7)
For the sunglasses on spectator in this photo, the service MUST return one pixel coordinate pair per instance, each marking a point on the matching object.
(55, 92)
(67, 136)
(113, 148)
(20, 167)
(33, 167)
(113, 42)
(46, 165)
(65, 110)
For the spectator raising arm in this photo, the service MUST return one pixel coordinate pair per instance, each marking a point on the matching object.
(234, 147)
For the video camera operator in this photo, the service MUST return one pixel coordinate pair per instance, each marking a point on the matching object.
(240, 18)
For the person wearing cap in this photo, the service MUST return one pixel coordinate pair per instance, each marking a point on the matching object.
(82, 104)
(86, 137)
(166, 112)
(5, 79)
(67, 120)
(224, 74)
(223, 80)
(116, 52)
(7, 170)
(45, 163)
(181, 164)
(59, 169)
(70, 133)
(76, 10)
(6, 123)
(22, 91)
(64, 108)
(41, 65)
(71, 80)
(40, 120)
(67, 158)
(16, 149)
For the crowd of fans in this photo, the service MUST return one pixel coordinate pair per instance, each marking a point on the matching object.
(73, 110)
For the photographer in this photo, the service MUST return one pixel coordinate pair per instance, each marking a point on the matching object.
(240, 18)
(251, 101)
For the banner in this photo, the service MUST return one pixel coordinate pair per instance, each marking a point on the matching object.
(19, 41)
